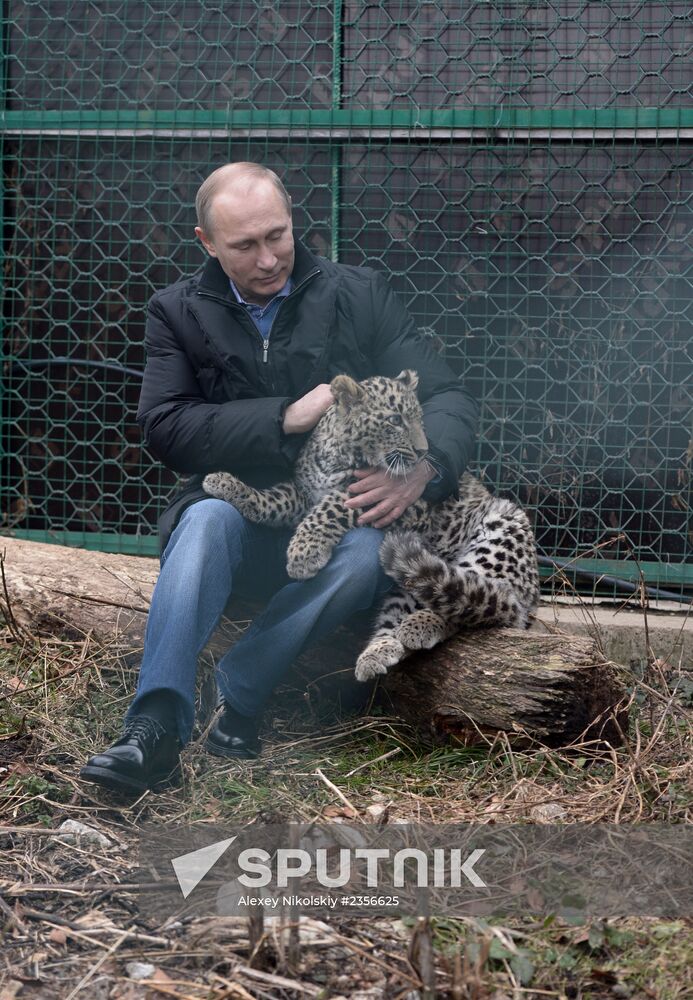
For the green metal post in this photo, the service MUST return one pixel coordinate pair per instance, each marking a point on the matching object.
(2, 228)
(336, 174)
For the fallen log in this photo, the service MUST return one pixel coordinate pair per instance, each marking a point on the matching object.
(556, 688)
(531, 684)
(56, 590)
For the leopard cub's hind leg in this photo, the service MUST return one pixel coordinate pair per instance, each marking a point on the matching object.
(385, 648)
(422, 629)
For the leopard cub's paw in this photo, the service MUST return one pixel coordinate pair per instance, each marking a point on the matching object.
(421, 630)
(304, 565)
(377, 657)
(221, 485)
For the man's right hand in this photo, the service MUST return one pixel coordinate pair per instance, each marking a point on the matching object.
(304, 414)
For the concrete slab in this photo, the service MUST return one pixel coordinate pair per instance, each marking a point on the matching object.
(622, 632)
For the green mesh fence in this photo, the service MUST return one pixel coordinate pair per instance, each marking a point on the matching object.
(521, 171)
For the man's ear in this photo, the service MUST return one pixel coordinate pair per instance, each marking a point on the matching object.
(408, 377)
(205, 241)
(346, 391)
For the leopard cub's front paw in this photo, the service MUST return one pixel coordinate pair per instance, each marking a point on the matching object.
(304, 565)
(221, 485)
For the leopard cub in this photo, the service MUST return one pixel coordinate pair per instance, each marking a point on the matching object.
(468, 561)
(375, 423)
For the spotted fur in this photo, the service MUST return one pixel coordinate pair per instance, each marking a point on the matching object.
(468, 561)
(473, 565)
(376, 423)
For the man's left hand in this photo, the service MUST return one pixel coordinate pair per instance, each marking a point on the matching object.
(389, 495)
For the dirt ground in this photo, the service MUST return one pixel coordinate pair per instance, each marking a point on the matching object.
(70, 919)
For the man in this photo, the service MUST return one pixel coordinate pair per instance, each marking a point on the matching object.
(239, 358)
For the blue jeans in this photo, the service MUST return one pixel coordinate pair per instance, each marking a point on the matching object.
(215, 551)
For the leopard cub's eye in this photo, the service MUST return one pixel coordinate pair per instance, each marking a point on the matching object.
(395, 419)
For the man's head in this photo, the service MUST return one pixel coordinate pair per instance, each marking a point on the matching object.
(244, 220)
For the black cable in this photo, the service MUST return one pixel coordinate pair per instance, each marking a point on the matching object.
(85, 362)
(613, 581)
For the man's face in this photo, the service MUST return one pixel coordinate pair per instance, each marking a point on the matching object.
(251, 236)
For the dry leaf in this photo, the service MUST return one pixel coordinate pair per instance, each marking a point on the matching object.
(547, 812)
(94, 919)
(163, 980)
(332, 811)
(376, 810)
(14, 684)
(535, 899)
(10, 989)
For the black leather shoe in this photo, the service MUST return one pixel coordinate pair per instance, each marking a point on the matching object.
(233, 735)
(147, 755)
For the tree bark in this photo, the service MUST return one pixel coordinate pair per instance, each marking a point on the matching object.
(532, 685)
(55, 590)
(555, 688)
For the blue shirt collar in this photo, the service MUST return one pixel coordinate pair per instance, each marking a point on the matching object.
(281, 294)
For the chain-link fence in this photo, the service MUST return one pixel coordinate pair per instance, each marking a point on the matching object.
(521, 172)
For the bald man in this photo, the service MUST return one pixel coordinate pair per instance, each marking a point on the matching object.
(239, 360)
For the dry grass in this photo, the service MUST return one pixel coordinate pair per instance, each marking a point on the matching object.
(71, 926)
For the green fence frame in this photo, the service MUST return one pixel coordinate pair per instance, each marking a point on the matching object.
(337, 127)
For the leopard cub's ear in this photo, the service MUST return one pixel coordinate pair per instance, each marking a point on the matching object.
(346, 391)
(409, 378)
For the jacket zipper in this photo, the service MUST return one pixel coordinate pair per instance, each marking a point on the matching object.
(265, 340)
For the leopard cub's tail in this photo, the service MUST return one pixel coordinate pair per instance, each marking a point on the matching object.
(404, 557)
(459, 595)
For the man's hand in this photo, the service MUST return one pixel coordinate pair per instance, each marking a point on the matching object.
(304, 414)
(391, 495)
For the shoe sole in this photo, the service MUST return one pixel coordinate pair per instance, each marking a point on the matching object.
(107, 779)
(237, 754)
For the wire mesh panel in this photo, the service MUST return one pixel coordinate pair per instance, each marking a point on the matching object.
(521, 171)
(556, 279)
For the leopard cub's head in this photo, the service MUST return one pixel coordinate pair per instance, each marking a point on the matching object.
(382, 419)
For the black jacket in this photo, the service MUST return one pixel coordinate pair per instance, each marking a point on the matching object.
(209, 402)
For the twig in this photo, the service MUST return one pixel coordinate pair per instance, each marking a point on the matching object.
(337, 792)
(43, 683)
(234, 988)
(348, 943)
(78, 888)
(127, 583)
(17, 631)
(421, 954)
(375, 760)
(11, 915)
(280, 981)
(167, 990)
(91, 932)
(97, 965)
(98, 600)
(256, 932)
(457, 982)
(293, 949)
